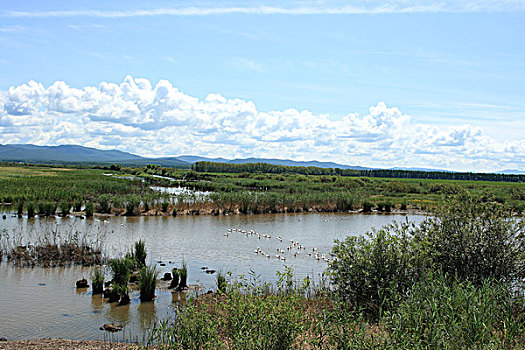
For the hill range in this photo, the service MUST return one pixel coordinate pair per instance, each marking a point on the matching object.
(74, 154)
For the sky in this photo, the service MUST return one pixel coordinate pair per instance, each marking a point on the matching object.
(408, 83)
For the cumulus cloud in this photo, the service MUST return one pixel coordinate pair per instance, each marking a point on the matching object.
(160, 120)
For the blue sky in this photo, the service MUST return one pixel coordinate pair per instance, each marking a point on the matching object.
(372, 83)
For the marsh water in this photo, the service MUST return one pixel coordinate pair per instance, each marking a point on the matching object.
(43, 302)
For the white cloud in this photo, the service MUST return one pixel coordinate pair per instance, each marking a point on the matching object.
(160, 120)
(294, 8)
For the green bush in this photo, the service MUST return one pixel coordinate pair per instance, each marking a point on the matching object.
(371, 274)
(475, 241)
(147, 282)
(165, 206)
(466, 240)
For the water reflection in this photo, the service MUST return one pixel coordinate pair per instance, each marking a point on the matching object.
(118, 313)
(97, 302)
(178, 298)
(147, 314)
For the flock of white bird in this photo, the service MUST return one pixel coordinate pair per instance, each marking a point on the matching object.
(293, 249)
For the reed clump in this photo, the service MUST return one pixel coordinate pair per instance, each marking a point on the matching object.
(140, 254)
(50, 249)
(97, 280)
(121, 268)
(183, 276)
(175, 278)
(147, 282)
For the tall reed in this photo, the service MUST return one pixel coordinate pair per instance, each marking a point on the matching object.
(147, 282)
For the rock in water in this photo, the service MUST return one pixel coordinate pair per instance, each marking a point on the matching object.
(111, 327)
(167, 276)
(83, 283)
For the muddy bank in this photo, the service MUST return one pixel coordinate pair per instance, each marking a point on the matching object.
(63, 344)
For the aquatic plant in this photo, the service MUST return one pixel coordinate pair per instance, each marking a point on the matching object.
(104, 204)
(121, 268)
(140, 254)
(53, 249)
(183, 275)
(132, 202)
(97, 280)
(123, 292)
(30, 209)
(89, 209)
(20, 208)
(77, 206)
(147, 282)
(367, 206)
(175, 278)
(65, 207)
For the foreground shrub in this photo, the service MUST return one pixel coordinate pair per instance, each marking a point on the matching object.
(475, 241)
(371, 274)
(243, 320)
(466, 240)
(444, 314)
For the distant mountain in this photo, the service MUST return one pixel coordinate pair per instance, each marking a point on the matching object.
(64, 153)
(285, 162)
(74, 154)
(511, 172)
(195, 159)
(423, 169)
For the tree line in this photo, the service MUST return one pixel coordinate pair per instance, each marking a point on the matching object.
(212, 167)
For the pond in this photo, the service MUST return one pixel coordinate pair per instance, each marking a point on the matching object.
(43, 302)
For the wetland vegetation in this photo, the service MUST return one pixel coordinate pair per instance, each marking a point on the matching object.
(47, 190)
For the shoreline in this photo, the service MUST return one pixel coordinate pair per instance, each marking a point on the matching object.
(214, 212)
(63, 344)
